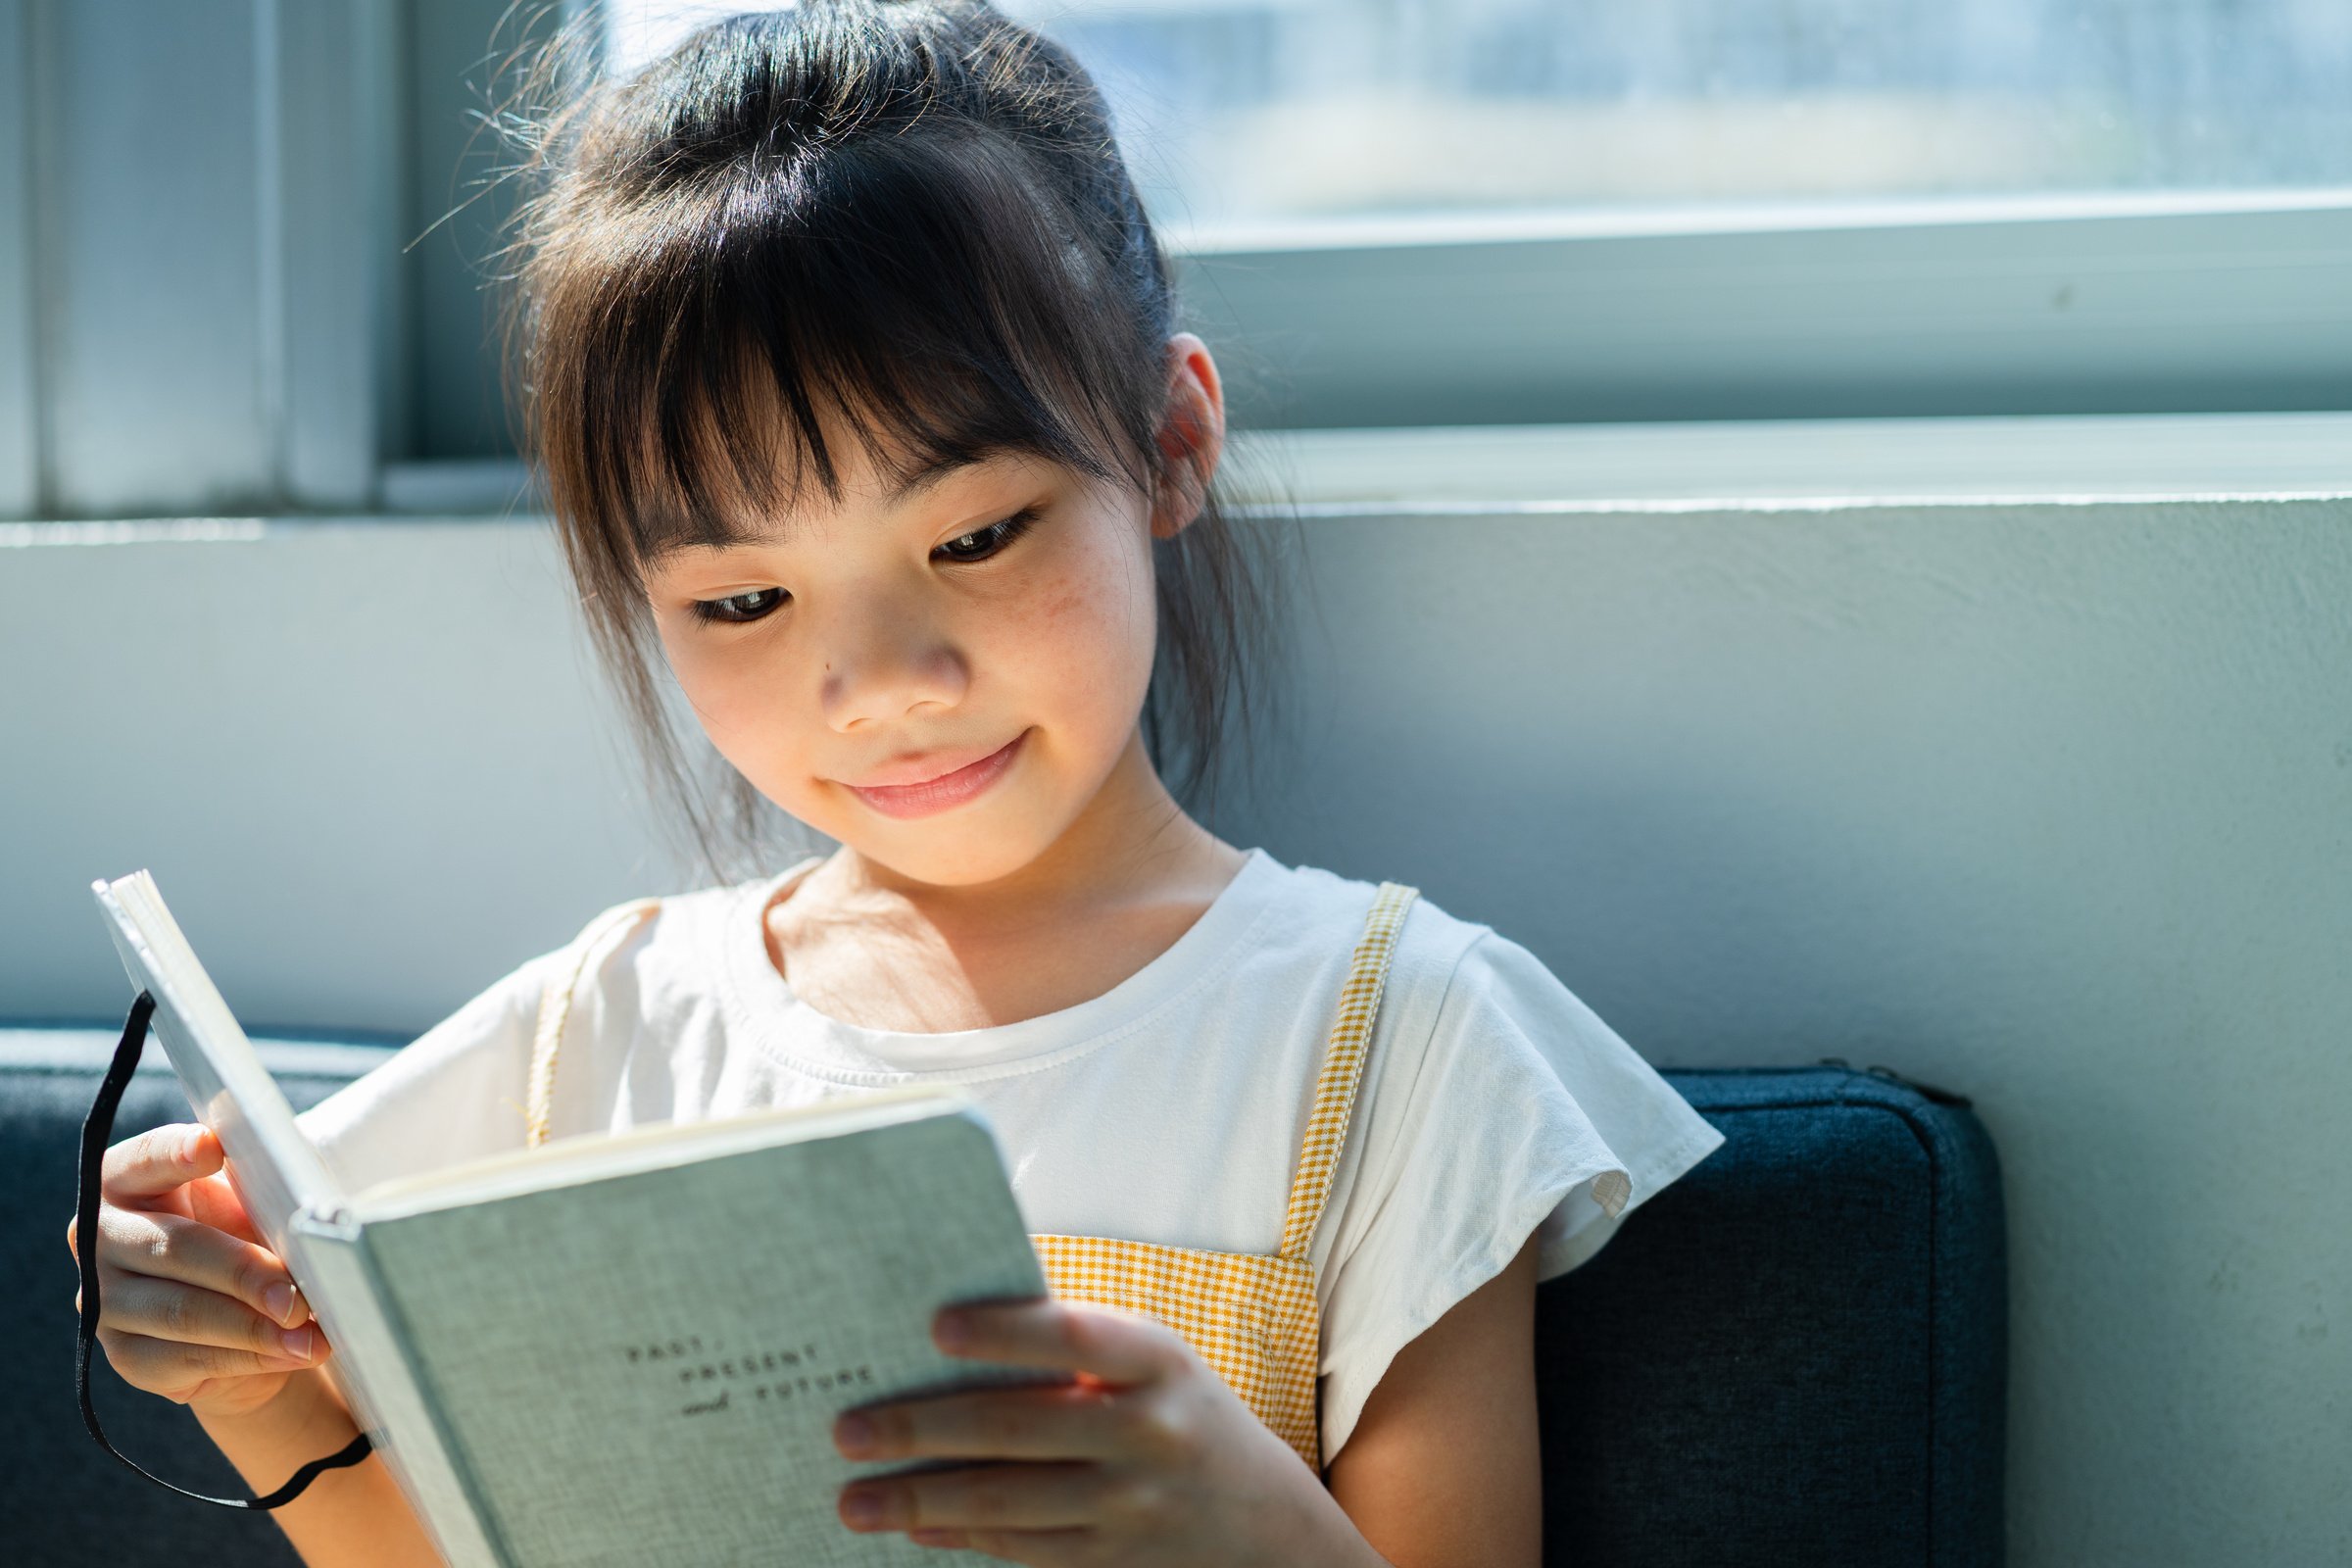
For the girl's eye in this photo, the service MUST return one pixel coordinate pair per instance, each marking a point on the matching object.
(990, 540)
(740, 606)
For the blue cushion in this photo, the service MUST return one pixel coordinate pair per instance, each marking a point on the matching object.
(1795, 1353)
(1798, 1353)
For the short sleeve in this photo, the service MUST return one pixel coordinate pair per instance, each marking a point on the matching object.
(456, 1092)
(1520, 1114)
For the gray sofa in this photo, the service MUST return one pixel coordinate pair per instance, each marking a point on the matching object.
(1796, 1355)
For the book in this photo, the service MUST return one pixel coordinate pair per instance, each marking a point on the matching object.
(622, 1348)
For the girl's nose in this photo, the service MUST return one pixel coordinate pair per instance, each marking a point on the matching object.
(885, 665)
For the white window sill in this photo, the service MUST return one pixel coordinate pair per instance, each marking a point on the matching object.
(1807, 463)
(2070, 458)
(1714, 465)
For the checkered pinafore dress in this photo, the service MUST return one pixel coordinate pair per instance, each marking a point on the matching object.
(1250, 1315)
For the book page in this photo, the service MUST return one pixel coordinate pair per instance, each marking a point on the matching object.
(591, 1157)
(646, 1368)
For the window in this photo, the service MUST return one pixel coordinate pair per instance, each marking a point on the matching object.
(1385, 213)
(1507, 211)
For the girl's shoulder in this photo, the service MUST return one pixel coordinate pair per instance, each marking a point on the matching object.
(1465, 1004)
(664, 921)
(640, 975)
(1325, 918)
(660, 943)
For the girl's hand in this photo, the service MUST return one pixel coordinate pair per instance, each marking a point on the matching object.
(1147, 1458)
(191, 1305)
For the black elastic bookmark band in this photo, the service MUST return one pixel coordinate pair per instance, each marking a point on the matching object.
(95, 1131)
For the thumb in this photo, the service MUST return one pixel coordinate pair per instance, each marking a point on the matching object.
(203, 1151)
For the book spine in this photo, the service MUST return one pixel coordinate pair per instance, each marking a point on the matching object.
(375, 1370)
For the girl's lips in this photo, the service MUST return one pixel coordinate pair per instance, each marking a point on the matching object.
(941, 793)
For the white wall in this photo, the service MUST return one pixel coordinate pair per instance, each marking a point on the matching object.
(2047, 803)
(365, 763)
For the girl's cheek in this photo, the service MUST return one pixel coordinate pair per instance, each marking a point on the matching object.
(1080, 668)
(1091, 631)
(1099, 615)
(710, 685)
(741, 705)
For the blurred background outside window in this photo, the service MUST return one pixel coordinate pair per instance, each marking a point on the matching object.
(1240, 114)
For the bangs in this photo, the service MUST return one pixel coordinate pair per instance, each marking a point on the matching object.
(713, 336)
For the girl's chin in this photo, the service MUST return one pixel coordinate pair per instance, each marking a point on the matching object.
(954, 850)
(945, 869)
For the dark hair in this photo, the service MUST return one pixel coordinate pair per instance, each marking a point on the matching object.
(909, 218)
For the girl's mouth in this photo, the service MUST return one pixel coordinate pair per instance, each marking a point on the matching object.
(945, 792)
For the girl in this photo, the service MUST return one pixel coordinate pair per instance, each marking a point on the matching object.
(851, 360)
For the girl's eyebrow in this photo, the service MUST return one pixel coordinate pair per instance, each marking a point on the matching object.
(929, 474)
(908, 484)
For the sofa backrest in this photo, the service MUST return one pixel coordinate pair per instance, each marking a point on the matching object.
(1795, 1353)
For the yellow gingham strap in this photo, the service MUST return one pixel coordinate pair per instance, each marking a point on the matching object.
(555, 1005)
(1342, 1064)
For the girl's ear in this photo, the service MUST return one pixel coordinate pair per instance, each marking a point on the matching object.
(1192, 435)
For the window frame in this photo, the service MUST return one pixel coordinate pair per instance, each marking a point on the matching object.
(20, 377)
(2111, 304)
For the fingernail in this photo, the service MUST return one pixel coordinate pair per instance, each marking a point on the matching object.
(854, 1433)
(278, 1301)
(297, 1341)
(192, 1143)
(862, 1509)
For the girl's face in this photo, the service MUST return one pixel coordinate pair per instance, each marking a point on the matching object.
(942, 677)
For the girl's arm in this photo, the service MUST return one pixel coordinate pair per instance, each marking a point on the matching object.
(1442, 1466)
(1172, 1470)
(349, 1518)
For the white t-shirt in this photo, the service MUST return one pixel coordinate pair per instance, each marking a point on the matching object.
(1169, 1109)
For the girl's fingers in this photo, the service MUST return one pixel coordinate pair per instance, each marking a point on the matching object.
(177, 1369)
(1114, 1347)
(141, 1305)
(1070, 1422)
(172, 1246)
(159, 1161)
(995, 1496)
(212, 1201)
